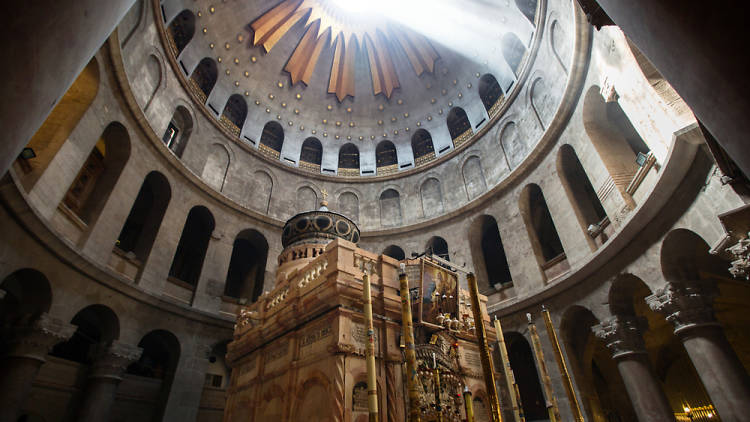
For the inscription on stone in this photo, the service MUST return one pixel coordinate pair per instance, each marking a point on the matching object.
(472, 359)
(359, 397)
(359, 335)
(278, 352)
(315, 336)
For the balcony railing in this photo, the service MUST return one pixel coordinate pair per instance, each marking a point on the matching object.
(462, 138)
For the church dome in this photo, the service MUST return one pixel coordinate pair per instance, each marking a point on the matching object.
(319, 226)
(347, 89)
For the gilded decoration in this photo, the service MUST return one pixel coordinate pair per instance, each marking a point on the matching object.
(327, 26)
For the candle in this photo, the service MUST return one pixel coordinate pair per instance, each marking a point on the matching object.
(434, 360)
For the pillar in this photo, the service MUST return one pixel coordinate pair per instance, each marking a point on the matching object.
(50, 44)
(28, 350)
(623, 337)
(106, 373)
(689, 307)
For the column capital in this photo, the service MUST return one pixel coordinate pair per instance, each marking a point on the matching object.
(686, 305)
(35, 340)
(112, 360)
(622, 334)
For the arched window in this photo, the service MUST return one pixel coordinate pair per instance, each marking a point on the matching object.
(489, 91)
(161, 353)
(513, 51)
(272, 139)
(262, 190)
(493, 254)
(473, 177)
(458, 125)
(432, 197)
(27, 295)
(178, 131)
(233, 116)
(311, 155)
(349, 160)
(386, 158)
(528, 8)
(139, 231)
(90, 190)
(390, 208)
(97, 324)
(60, 124)
(247, 267)
(394, 252)
(437, 246)
(542, 232)
(589, 210)
(182, 29)
(422, 147)
(615, 139)
(188, 258)
(216, 168)
(521, 360)
(204, 78)
(349, 205)
(307, 199)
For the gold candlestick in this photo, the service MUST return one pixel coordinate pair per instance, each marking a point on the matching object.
(410, 353)
(436, 379)
(510, 380)
(484, 350)
(574, 406)
(554, 413)
(372, 386)
(468, 405)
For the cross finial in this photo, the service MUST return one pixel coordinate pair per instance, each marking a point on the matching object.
(324, 202)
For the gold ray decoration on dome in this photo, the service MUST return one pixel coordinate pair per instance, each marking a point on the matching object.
(326, 26)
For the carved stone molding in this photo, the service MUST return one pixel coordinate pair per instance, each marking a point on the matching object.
(339, 388)
(111, 361)
(623, 335)
(685, 305)
(37, 339)
(740, 265)
(391, 394)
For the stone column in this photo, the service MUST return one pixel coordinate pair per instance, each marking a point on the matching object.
(28, 349)
(50, 43)
(688, 306)
(622, 335)
(106, 374)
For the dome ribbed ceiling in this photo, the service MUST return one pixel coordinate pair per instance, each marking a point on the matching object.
(320, 72)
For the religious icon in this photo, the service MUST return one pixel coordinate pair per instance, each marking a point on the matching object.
(439, 293)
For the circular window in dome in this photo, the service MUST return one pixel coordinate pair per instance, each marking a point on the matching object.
(302, 224)
(323, 223)
(343, 228)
